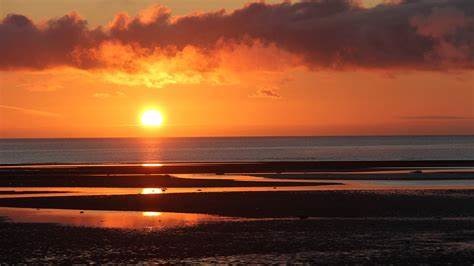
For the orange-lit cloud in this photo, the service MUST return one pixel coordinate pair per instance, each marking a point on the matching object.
(320, 34)
(266, 93)
(230, 63)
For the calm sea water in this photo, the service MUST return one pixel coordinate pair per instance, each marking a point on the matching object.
(14, 151)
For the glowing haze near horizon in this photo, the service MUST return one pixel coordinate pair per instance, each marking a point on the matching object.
(226, 68)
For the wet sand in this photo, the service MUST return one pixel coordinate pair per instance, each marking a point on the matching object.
(325, 227)
(229, 167)
(393, 175)
(395, 203)
(36, 179)
(389, 226)
(15, 192)
(333, 241)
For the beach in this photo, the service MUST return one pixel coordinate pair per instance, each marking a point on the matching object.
(206, 213)
(387, 203)
(325, 241)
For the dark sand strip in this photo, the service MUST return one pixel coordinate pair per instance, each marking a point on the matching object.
(373, 176)
(15, 192)
(232, 167)
(438, 203)
(133, 181)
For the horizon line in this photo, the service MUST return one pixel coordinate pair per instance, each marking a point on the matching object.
(248, 136)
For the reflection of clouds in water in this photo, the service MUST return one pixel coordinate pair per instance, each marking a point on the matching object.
(109, 219)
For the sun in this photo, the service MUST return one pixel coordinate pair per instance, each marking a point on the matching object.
(152, 118)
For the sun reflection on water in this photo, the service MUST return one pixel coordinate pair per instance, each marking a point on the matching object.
(152, 164)
(151, 214)
(147, 191)
(108, 219)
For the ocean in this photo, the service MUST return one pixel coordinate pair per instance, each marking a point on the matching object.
(225, 149)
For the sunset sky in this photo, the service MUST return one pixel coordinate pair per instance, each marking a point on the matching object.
(90, 68)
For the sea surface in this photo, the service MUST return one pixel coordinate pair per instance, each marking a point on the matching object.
(225, 149)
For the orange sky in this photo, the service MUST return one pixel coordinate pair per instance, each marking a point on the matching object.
(256, 89)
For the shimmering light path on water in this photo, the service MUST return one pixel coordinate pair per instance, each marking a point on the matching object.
(233, 149)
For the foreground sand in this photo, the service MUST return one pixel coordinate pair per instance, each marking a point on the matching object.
(332, 241)
(423, 226)
(375, 227)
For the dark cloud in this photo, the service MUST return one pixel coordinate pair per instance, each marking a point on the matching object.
(337, 34)
(266, 93)
(23, 44)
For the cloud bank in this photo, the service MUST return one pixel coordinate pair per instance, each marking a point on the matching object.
(335, 34)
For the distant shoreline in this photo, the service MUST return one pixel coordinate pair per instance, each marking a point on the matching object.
(231, 167)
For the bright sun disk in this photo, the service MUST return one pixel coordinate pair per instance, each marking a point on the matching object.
(152, 118)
